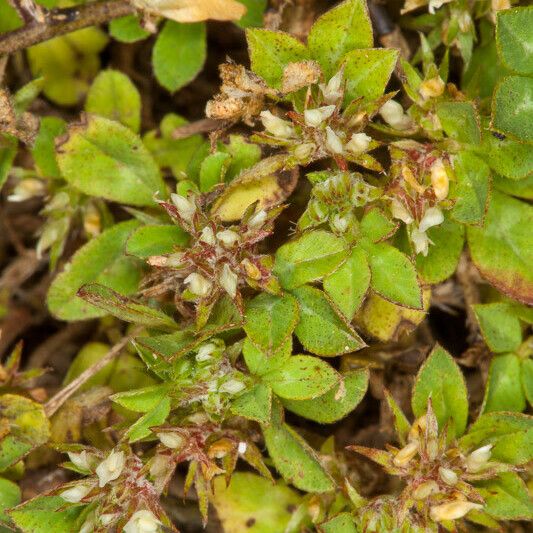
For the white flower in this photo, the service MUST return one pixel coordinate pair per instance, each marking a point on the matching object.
(275, 125)
(228, 237)
(420, 241)
(333, 142)
(358, 143)
(399, 211)
(393, 114)
(76, 493)
(257, 219)
(403, 457)
(111, 468)
(81, 460)
(208, 236)
(205, 352)
(340, 224)
(439, 180)
(431, 88)
(186, 208)
(303, 151)
(242, 447)
(198, 284)
(432, 217)
(453, 510)
(142, 522)
(228, 280)
(448, 476)
(478, 458)
(171, 440)
(232, 386)
(27, 189)
(315, 117)
(425, 489)
(332, 91)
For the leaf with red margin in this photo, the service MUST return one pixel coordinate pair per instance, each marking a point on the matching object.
(502, 249)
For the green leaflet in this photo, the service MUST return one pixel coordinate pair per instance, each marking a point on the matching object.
(271, 51)
(47, 513)
(28, 428)
(270, 319)
(254, 503)
(102, 260)
(368, 71)
(156, 240)
(337, 32)
(502, 249)
(179, 54)
(99, 148)
(320, 329)
(294, 459)
(440, 380)
(114, 96)
(334, 404)
(504, 390)
(308, 258)
(499, 325)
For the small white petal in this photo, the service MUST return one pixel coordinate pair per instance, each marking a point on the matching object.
(358, 143)
(315, 117)
(478, 458)
(303, 151)
(257, 219)
(228, 280)
(332, 91)
(142, 522)
(76, 493)
(186, 208)
(420, 241)
(333, 142)
(171, 440)
(205, 352)
(393, 114)
(81, 460)
(232, 386)
(242, 447)
(400, 212)
(110, 468)
(208, 236)
(448, 476)
(275, 125)
(228, 237)
(432, 217)
(198, 284)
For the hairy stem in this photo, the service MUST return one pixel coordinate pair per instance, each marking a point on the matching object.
(60, 21)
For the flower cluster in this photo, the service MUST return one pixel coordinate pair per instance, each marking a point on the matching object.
(418, 189)
(220, 260)
(323, 129)
(334, 197)
(118, 491)
(438, 475)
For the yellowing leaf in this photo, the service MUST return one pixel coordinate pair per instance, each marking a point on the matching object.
(194, 10)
